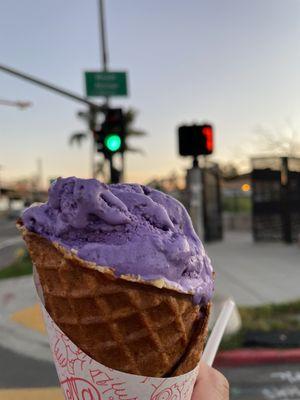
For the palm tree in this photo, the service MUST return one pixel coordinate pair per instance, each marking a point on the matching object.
(78, 138)
(129, 118)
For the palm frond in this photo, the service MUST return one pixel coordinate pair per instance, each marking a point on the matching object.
(134, 150)
(77, 138)
(135, 132)
(99, 167)
(130, 116)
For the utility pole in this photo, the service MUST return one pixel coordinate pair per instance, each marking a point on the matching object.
(103, 41)
(93, 112)
(104, 56)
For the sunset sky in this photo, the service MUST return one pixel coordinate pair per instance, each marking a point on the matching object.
(234, 63)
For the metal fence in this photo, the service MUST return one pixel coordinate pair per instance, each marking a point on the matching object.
(276, 199)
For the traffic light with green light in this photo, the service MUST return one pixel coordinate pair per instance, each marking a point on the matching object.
(112, 142)
(111, 137)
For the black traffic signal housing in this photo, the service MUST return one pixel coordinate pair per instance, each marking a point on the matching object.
(195, 140)
(110, 138)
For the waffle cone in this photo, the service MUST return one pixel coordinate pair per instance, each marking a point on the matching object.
(130, 326)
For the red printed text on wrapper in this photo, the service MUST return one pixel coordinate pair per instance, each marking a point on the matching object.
(82, 378)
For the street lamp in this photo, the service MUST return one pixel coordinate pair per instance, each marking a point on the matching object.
(20, 104)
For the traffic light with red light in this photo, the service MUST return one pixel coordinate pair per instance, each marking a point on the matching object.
(195, 140)
(207, 132)
(111, 137)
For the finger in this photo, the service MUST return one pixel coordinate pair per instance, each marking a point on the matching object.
(210, 385)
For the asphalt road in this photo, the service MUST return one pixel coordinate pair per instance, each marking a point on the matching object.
(10, 241)
(267, 382)
(18, 371)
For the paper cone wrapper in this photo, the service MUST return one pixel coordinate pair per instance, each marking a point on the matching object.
(83, 378)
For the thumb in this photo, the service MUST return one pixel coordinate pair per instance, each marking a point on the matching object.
(210, 385)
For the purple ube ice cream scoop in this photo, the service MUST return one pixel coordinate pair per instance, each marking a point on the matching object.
(132, 228)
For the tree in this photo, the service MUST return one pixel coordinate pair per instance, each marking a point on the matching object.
(284, 142)
(129, 118)
(229, 169)
(78, 137)
(98, 167)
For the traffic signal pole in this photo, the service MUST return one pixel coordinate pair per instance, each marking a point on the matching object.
(103, 49)
(49, 86)
(195, 140)
(195, 191)
(115, 175)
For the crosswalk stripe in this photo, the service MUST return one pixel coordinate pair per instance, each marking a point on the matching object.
(30, 317)
(31, 394)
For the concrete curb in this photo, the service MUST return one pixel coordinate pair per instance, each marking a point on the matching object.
(246, 357)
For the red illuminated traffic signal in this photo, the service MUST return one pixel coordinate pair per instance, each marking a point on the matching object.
(195, 140)
(207, 131)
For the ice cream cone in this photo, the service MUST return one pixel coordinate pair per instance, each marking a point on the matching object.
(129, 326)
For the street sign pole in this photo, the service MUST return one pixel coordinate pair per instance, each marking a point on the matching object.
(103, 49)
(103, 41)
(104, 52)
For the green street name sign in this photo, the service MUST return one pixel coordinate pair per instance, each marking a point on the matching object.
(105, 84)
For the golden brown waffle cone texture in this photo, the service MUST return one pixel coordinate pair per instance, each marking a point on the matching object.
(132, 327)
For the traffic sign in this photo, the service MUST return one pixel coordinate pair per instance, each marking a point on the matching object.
(105, 83)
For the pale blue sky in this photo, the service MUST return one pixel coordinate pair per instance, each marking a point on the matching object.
(235, 63)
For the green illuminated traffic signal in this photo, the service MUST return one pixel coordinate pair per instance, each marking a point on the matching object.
(112, 142)
(110, 138)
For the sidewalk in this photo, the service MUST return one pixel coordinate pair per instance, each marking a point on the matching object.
(255, 273)
(21, 326)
